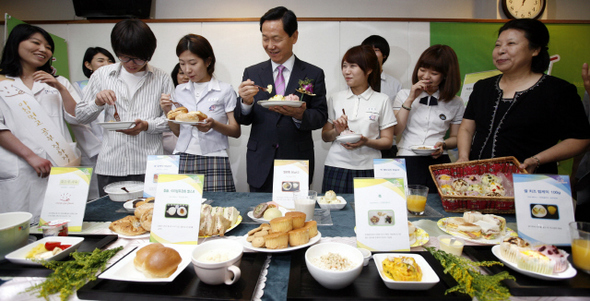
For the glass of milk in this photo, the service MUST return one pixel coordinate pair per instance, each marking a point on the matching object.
(305, 202)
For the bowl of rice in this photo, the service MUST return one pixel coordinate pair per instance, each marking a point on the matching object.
(334, 265)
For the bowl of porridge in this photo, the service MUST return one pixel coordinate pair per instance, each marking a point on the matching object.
(334, 265)
(218, 261)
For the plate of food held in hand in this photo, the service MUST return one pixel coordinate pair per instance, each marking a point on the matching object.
(476, 227)
(283, 234)
(117, 125)
(183, 116)
(216, 221)
(423, 150)
(348, 136)
(264, 212)
(545, 262)
(48, 248)
(152, 262)
(290, 100)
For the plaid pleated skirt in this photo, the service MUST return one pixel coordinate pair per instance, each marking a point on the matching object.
(217, 171)
(341, 180)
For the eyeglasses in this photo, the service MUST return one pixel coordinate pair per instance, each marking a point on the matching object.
(126, 59)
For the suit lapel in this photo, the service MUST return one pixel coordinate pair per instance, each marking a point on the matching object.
(297, 73)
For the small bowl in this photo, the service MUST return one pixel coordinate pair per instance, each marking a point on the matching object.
(14, 231)
(337, 206)
(218, 272)
(429, 277)
(334, 279)
(424, 150)
(117, 194)
(456, 248)
(366, 256)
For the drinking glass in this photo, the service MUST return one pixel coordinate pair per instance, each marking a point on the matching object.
(305, 202)
(416, 199)
(580, 234)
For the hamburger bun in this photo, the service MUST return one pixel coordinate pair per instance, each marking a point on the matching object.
(173, 113)
(157, 261)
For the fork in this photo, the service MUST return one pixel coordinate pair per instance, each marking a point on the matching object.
(261, 88)
(116, 115)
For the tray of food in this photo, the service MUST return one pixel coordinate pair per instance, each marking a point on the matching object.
(89, 243)
(482, 185)
(564, 283)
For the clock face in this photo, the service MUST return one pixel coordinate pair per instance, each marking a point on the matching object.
(520, 9)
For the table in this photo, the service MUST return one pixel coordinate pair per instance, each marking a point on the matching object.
(278, 272)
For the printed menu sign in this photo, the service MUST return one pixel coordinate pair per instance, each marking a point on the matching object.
(544, 208)
(66, 195)
(381, 215)
(390, 169)
(290, 177)
(158, 164)
(177, 209)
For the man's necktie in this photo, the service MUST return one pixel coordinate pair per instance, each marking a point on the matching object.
(433, 101)
(280, 81)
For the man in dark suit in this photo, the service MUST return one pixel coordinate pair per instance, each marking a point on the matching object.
(279, 132)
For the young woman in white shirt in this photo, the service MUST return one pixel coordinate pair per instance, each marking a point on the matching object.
(427, 111)
(363, 110)
(203, 147)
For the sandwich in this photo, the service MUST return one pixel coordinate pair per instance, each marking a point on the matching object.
(489, 229)
(472, 216)
(458, 224)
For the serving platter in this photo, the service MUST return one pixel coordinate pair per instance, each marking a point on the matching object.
(441, 223)
(570, 272)
(124, 269)
(248, 245)
(271, 103)
(117, 125)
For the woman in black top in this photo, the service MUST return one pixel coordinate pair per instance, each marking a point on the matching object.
(522, 112)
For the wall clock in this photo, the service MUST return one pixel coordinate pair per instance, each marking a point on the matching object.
(520, 9)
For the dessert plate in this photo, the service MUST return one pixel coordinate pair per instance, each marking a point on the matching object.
(248, 245)
(570, 272)
(350, 138)
(289, 103)
(442, 225)
(117, 125)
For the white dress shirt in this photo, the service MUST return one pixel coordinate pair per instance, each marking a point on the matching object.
(122, 154)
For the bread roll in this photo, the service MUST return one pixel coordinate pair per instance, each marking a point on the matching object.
(193, 116)
(281, 224)
(173, 113)
(157, 261)
(298, 237)
(298, 218)
(276, 241)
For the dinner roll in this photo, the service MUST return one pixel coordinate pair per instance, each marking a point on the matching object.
(173, 113)
(158, 261)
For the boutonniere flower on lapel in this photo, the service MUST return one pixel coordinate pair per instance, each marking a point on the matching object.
(305, 87)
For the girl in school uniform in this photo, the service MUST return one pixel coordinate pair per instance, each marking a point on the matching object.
(362, 110)
(427, 111)
(203, 147)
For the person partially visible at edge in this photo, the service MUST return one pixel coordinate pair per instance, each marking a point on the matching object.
(537, 118)
(280, 132)
(362, 110)
(132, 88)
(168, 138)
(389, 84)
(427, 111)
(26, 152)
(581, 166)
(203, 147)
(89, 136)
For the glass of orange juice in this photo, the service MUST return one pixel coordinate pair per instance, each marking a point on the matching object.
(580, 234)
(416, 199)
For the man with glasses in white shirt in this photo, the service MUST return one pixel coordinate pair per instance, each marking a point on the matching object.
(132, 89)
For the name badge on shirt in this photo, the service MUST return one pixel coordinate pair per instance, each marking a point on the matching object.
(442, 117)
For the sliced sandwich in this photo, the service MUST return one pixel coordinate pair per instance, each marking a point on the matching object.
(489, 229)
(458, 224)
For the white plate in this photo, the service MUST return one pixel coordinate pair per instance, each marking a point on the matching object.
(289, 103)
(350, 138)
(481, 240)
(124, 269)
(18, 256)
(424, 150)
(541, 211)
(117, 125)
(144, 235)
(262, 220)
(187, 122)
(239, 221)
(429, 277)
(334, 206)
(248, 245)
(570, 272)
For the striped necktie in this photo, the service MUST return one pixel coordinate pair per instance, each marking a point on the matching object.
(280, 81)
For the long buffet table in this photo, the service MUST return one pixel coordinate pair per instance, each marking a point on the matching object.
(274, 283)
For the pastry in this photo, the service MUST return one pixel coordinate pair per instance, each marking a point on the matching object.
(281, 224)
(298, 218)
(459, 185)
(139, 211)
(173, 113)
(129, 225)
(535, 261)
(495, 189)
(512, 246)
(473, 179)
(259, 210)
(444, 179)
(146, 219)
(559, 257)
(193, 116)
(488, 178)
(298, 237)
(276, 240)
(312, 226)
